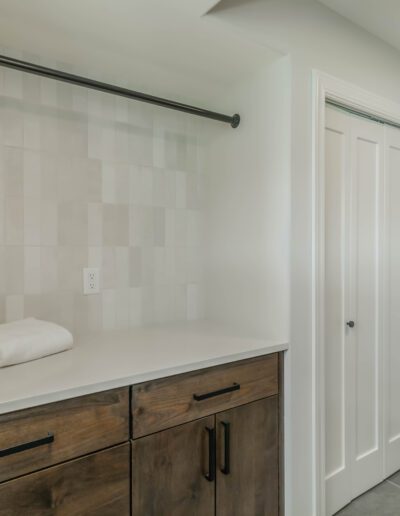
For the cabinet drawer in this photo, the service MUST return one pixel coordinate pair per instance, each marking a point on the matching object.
(164, 403)
(42, 436)
(90, 486)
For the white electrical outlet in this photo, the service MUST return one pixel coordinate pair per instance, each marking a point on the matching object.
(91, 280)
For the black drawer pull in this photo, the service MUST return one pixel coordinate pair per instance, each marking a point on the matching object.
(27, 446)
(226, 469)
(212, 448)
(200, 397)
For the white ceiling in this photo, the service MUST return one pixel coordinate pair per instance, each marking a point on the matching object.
(165, 47)
(379, 17)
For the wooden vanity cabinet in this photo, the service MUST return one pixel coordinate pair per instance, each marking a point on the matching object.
(224, 464)
(203, 443)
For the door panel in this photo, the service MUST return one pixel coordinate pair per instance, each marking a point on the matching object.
(169, 471)
(248, 472)
(365, 301)
(338, 388)
(353, 291)
(392, 299)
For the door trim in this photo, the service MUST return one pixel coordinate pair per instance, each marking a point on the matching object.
(326, 87)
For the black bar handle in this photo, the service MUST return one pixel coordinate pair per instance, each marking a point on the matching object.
(226, 469)
(27, 446)
(210, 476)
(200, 397)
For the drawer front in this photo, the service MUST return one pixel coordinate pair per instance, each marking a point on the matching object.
(161, 404)
(35, 438)
(90, 486)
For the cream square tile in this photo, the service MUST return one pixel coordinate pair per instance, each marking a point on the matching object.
(180, 297)
(95, 139)
(14, 221)
(49, 176)
(122, 110)
(159, 188)
(170, 188)
(194, 303)
(48, 92)
(69, 266)
(2, 271)
(135, 307)
(109, 309)
(108, 182)
(95, 259)
(122, 180)
(122, 308)
(32, 270)
(2, 220)
(49, 268)
(160, 273)
(31, 130)
(122, 267)
(136, 225)
(13, 171)
(49, 222)
(163, 304)
(12, 126)
(148, 266)
(148, 305)
(159, 226)
(95, 224)
(35, 306)
(32, 222)
(2, 298)
(159, 158)
(32, 174)
(12, 86)
(49, 138)
(31, 88)
(94, 180)
(73, 223)
(115, 224)
(14, 308)
(180, 189)
(121, 143)
(141, 146)
(135, 266)
(109, 274)
(14, 267)
(169, 227)
(180, 228)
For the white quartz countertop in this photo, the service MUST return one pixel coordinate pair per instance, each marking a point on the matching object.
(111, 359)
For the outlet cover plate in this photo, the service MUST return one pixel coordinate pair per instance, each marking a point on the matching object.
(91, 280)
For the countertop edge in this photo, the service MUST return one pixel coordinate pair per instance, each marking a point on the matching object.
(82, 390)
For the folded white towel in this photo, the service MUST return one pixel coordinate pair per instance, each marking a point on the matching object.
(29, 339)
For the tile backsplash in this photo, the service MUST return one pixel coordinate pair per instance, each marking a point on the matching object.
(92, 180)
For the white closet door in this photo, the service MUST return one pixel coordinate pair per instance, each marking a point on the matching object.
(338, 359)
(367, 153)
(392, 299)
(353, 418)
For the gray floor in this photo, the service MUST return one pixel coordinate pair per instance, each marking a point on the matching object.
(382, 500)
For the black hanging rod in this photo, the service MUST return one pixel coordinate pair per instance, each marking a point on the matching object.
(35, 69)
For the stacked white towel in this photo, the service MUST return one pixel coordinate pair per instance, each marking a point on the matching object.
(29, 339)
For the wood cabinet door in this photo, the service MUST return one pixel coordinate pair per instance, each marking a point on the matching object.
(170, 470)
(95, 485)
(248, 459)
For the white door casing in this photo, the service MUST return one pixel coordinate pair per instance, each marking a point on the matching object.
(327, 87)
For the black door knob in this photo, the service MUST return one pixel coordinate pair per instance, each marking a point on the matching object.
(350, 324)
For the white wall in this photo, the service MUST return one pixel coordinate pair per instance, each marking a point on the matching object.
(315, 37)
(247, 192)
